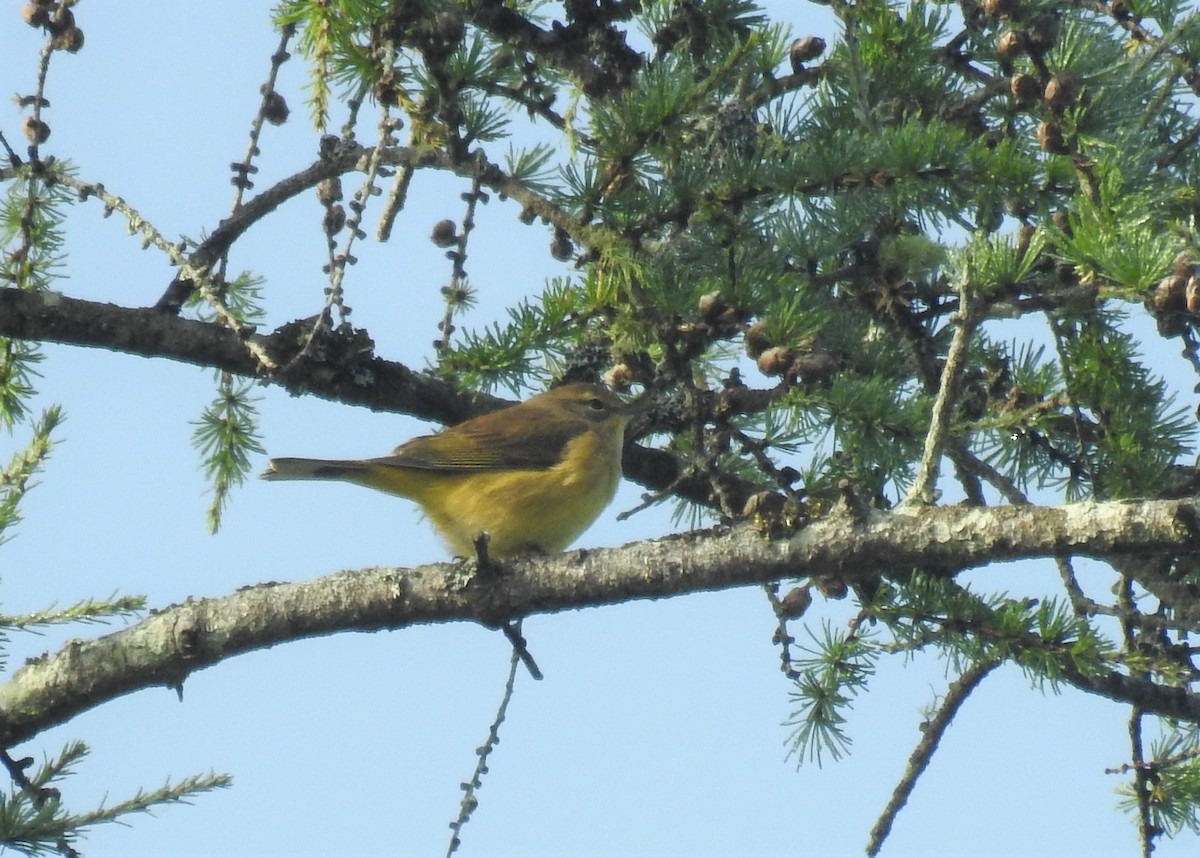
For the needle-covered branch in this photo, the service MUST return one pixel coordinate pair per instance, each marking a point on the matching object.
(855, 547)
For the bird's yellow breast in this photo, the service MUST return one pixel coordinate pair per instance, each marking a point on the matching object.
(523, 511)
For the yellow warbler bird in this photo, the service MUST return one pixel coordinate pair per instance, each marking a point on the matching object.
(533, 476)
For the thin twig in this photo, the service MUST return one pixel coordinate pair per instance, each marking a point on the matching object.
(39, 90)
(918, 762)
(649, 499)
(244, 168)
(10, 154)
(1142, 782)
(1142, 779)
(469, 788)
(1155, 766)
(199, 276)
(972, 465)
(782, 637)
(336, 267)
(1079, 601)
(458, 292)
(541, 107)
(1084, 466)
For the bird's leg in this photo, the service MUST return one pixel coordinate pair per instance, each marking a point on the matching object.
(481, 550)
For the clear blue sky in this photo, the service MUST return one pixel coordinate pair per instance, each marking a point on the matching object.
(658, 728)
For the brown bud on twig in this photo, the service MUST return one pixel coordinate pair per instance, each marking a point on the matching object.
(1001, 8)
(334, 220)
(803, 50)
(61, 18)
(711, 305)
(795, 603)
(1012, 43)
(755, 339)
(1024, 88)
(775, 361)
(445, 233)
(561, 248)
(35, 130)
(329, 191)
(814, 368)
(831, 588)
(69, 39)
(619, 377)
(1043, 33)
(387, 89)
(1062, 91)
(1050, 137)
(1067, 274)
(1169, 295)
(450, 27)
(36, 14)
(275, 109)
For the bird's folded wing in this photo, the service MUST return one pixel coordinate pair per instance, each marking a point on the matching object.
(486, 444)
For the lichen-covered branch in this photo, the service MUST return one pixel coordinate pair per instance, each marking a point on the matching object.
(924, 487)
(165, 648)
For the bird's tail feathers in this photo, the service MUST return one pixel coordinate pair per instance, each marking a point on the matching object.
(314, 469)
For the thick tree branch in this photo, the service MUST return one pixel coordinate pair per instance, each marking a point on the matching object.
(369, 381)
(166, 647)
(356, 378)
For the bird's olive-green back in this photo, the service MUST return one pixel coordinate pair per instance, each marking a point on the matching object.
(528, 436)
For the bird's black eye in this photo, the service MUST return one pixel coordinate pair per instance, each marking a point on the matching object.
(596, 404)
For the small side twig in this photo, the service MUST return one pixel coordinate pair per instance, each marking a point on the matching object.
(512, 631)
(271, 109)
(16, 770)
(10, 155)
(268, 110)
(1155, 766)
(458, 292)
(650, 499)
(200, 277)
(396, 198)
(925, 484)
(784, 612)
(336, 266)
(1142, 778)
